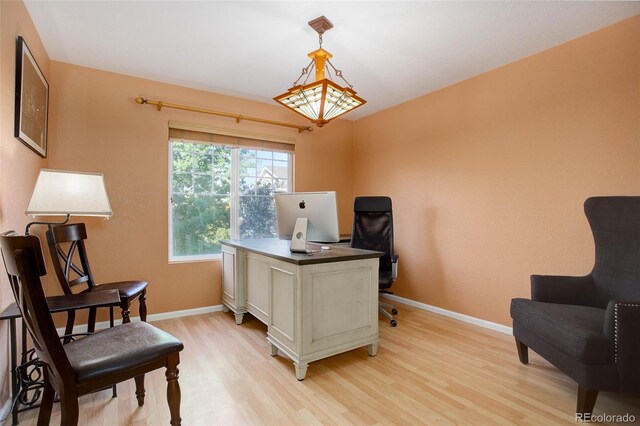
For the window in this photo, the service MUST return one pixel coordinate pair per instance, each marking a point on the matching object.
(221, 191)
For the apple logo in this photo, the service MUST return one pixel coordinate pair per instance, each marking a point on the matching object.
(302, 206)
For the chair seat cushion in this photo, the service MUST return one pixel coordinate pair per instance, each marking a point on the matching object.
(127, 289)
(119, 349)
(574, 330)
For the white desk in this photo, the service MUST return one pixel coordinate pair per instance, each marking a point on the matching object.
(314, 305)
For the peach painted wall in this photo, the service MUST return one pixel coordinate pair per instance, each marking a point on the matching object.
(99, 127)
(19, 165)
(488, 176)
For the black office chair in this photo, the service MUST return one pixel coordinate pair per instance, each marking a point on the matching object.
(373, 230)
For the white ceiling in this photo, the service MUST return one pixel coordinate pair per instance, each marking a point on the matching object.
(391, 51)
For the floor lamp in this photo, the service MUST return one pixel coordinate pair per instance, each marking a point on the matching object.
(66, 193)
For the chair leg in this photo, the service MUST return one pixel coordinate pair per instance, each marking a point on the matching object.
(173, 388)
(124, 304)
(68, 329)
(586, 400)
(91, 321)
(143, 305)
(68, 407)
(114, 389)
(387, 314)
(46, 405)
(523, 352)
(111, 316)
(140, 390)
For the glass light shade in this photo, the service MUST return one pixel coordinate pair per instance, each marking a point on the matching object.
(320, 101)
(59, 193)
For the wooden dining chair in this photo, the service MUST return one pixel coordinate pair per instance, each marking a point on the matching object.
(71, 263)
(94, 362)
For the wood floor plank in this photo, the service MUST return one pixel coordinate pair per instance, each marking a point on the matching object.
(429, 370)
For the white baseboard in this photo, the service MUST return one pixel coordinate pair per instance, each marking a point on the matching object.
(82, 328)
(455, 315)
(184, 313)
(216, 308)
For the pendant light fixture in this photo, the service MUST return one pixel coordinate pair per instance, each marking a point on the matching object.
(323, 99)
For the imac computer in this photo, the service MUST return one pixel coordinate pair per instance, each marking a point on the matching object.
(319, 208)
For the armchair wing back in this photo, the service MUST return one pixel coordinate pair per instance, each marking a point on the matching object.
(615, 223)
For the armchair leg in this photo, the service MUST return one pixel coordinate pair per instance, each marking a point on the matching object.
(586, 400)
(523, 352)
(173, 388)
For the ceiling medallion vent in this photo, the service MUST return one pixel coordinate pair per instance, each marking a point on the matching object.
(323, 99)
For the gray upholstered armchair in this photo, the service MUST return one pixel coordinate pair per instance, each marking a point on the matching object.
(589, 327)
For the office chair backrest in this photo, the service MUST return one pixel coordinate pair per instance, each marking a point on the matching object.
(373, 227)
(615, 223)
(24, 263)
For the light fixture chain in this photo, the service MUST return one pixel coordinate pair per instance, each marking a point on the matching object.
(308, 75)
(306, 70)
(339, 74)
(329, 74)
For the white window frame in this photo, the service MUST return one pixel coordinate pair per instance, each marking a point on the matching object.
(234, 197)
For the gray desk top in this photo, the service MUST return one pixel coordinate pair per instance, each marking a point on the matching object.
(279, 249)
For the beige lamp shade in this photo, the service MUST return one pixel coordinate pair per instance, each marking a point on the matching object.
(61, 193)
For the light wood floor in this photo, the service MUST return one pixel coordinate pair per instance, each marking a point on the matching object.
(429, 370)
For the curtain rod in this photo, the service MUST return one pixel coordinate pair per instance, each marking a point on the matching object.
(159, 105)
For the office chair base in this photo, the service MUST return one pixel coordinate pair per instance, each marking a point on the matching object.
(389, 316)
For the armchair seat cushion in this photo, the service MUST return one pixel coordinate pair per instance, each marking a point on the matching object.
(127, 289)
(574, 330)
(119, 349)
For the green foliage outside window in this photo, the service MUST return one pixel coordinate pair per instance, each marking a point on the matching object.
(257, 213)
(201, 199)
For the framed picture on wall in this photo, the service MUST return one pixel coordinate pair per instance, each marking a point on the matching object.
(32, 101)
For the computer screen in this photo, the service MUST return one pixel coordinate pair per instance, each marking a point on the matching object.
(320, 208)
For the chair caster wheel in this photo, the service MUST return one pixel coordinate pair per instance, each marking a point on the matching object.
(394, 312)
(393, 323)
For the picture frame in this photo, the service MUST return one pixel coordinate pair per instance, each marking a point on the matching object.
(32, 101)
